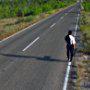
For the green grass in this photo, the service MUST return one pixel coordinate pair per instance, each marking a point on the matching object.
(85, 28)
(20, 8)
(86, 6)
(83, 72)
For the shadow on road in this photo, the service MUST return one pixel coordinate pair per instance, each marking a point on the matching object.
(42, 58)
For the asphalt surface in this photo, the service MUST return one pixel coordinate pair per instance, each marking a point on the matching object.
(42, 66)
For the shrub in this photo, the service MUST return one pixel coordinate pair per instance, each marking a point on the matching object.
(28, 18)
(86, 6)
(61, 4)
(17, 12)
(37, 10)
(12, 8)
(1, 12)
(46, 7)
(34, 10)
(25, 11)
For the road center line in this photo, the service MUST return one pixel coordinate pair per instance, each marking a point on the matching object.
(53, 25)
(69, 63)
(62, 17)
(71, 9)
(30, 44)
(66, 13)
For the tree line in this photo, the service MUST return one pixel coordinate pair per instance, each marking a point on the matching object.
(86, 4)
(14, 8)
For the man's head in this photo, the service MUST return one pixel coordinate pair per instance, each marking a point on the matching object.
(69, 32)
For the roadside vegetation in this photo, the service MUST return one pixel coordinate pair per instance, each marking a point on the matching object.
(83, 60)
(85, 28)
(85, 25)
(18, 14)
(14, 8)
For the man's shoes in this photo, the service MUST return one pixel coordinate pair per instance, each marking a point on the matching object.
(69, 63)
(69, 60)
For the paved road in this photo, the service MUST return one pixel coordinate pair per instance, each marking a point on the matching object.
(35, 58)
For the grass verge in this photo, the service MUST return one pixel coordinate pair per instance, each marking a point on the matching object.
(85, 29)
(83, 62)
(83, 72)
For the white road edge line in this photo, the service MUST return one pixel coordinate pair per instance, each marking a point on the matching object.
(76, 25)
(53, 25)
(69, 63)
(67, 76)
(30, 44)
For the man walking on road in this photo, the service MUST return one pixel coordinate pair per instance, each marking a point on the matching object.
(70, 45)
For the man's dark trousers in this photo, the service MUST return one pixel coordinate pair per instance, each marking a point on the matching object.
(70, 52)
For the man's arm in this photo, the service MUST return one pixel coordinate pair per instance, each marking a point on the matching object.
(74, 42)
(74, 45)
